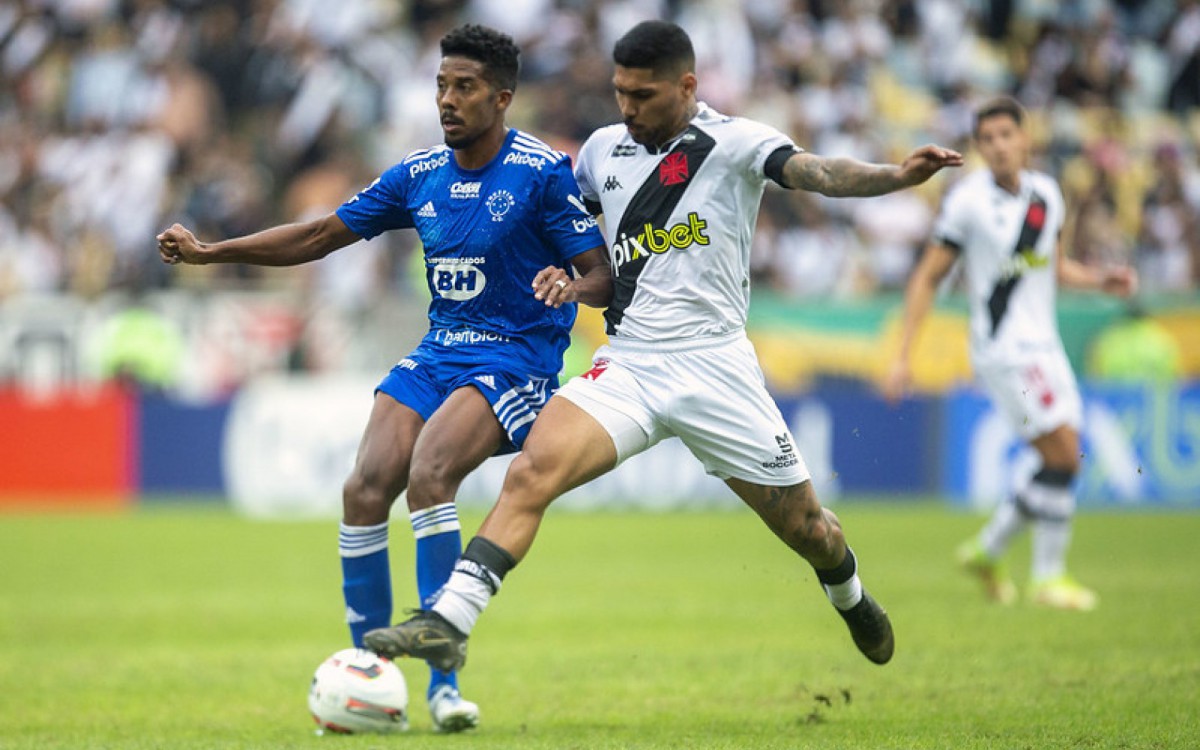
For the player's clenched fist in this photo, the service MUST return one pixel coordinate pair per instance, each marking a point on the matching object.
(178, 245)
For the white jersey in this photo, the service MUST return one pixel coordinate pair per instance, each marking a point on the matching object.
(1009, 244)
(679, 222)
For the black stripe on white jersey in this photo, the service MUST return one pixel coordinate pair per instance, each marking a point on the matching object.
(1031, 231)
(653, 204)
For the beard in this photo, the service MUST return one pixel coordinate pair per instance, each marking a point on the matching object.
(462, 141)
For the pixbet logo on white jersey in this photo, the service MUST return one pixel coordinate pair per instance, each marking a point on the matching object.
(464, 190)
(652, 240)
(528, 160)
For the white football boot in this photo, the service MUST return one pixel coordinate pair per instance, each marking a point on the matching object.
(451, 712)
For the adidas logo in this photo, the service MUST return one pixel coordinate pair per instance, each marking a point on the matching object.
(488, 380)
(427, 211)
(353, 617)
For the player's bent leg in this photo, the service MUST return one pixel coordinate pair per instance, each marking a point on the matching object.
(457, 438)
(798, 519)
(815, 533)
(565, 448)
(379, 476)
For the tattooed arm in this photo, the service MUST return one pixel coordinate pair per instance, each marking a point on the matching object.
(842, 177)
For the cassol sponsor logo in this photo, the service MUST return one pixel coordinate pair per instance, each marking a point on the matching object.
(464, 190)
(657, 241)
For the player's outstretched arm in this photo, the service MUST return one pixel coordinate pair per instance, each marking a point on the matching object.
(841, 177)
(286, 245)
(1119, 281)
(592, 286)
(935, 263)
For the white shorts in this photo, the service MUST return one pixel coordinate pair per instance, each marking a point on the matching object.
(711, 395)
(1036, 392)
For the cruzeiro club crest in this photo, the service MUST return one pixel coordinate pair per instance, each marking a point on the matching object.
(498, 204)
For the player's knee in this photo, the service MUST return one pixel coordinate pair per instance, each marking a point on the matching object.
(807, 527)
(430, 483)
(527, 484)
(809, 532)
(366, 499)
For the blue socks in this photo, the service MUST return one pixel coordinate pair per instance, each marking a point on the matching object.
(366, 578)
(439, 543)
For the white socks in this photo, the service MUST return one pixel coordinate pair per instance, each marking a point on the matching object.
(462, 600)
(1055, 507)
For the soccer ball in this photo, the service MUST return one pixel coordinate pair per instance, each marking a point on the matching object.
(355, 691)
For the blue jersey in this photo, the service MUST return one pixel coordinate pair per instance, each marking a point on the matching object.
(486, 233)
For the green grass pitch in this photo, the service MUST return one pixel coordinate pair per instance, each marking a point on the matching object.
(189, 627)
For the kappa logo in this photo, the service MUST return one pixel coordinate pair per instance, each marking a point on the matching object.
(427, 211)
(622, 149)
(612, 183)
(673, 169)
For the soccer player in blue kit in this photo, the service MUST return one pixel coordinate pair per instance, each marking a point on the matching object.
(679, 185)
(501, 219)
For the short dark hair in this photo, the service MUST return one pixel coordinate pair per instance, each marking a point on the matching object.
(495, 50)
(660, 46)
(1000, 106)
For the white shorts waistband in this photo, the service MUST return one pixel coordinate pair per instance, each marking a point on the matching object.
(619, 344)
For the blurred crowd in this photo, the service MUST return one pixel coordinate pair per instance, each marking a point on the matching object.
(119, 117)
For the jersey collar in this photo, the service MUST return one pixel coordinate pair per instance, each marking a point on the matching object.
(701, 110)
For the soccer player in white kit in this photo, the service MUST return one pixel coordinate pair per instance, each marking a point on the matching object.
(1004, 222)
(679, 186)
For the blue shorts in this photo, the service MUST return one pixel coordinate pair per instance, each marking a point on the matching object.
(425, 378)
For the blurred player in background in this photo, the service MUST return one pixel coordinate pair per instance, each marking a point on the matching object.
(679, 185)
(500, 218)
(1005, 223)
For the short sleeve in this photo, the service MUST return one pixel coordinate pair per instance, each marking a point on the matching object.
(583, 171)
(379, 207)
(952, 225)
(759, 142)
(567, 224)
